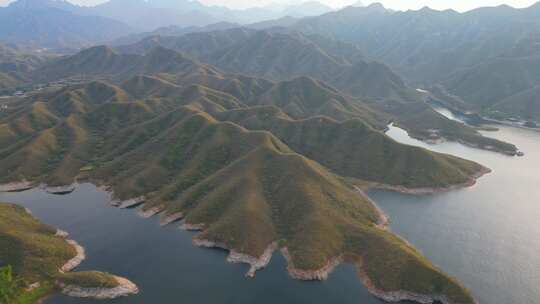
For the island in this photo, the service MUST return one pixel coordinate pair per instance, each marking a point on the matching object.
(37, 260)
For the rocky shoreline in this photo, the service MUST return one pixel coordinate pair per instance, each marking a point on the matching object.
(150, 212)
(171, 218)
(75, 261)
(80, 252)
(473, 180)
(192, 227)
(125, 288)
(383, 221)
(61, 190)
(130, 203)
(16, 186)
(320, 274)
(399, 295)
(241, 258)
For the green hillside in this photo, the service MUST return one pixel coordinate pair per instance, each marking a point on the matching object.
(188, 162)
(284, 54)
(31, 252)
(353, 149)
(191, 141)
(484, 56)
(54, 135)
(525, 105)
(182, 159)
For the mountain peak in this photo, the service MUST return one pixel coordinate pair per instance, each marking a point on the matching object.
(101, 50)
(376, 6)
(163, 51)
(41, 4)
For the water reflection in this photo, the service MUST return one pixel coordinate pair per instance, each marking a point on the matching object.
(488, 236)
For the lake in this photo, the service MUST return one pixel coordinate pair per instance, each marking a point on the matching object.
(487, 236)
(163, 262)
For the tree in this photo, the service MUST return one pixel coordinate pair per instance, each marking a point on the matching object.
(8, 286)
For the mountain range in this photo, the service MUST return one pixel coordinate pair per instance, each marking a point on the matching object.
(51, 24)
(487, 57)
(279, 54)
(262, 136)
(188, 137)
(60, 24)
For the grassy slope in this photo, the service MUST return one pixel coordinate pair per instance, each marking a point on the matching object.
(353, 149)
(305, 97)
(419, 118)
(185, 160)
(524, 104)
(491, 82)
(263, 193)
(88, 279)
(281, 56)
(32, 248)
(36, 255)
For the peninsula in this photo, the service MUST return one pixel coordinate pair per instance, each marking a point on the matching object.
(255, 165)
(37, 260)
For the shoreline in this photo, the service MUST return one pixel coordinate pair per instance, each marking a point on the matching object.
(398, 295)
(79, 257)
(236, 257)
(439, 139)
(125, 288)
(61, 190)
(129, 203)
(383, 221)
(16, 186)
(320, 274)
(167, 219)
(261, 262)
(442, 139)
(473, 180)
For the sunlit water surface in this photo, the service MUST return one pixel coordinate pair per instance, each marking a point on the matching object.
(488, 236)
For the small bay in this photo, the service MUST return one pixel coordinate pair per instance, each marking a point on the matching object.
(487, 236)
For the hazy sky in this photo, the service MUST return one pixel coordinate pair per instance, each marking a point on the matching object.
(460, 5)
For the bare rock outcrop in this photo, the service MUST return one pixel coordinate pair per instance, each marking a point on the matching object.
(320, 274)
(125, 288)
(16, 186)
(171, 218)
(75, 261)
(149, 212)
(61, 189)
(255, 263)
(130, 203)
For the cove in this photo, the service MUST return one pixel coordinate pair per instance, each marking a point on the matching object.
(163, 262)
(487, 236)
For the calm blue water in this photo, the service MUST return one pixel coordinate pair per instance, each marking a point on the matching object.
(164, 263)
(489, 235)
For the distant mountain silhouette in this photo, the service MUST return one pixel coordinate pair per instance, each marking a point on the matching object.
(484, 56)
(55, 24)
